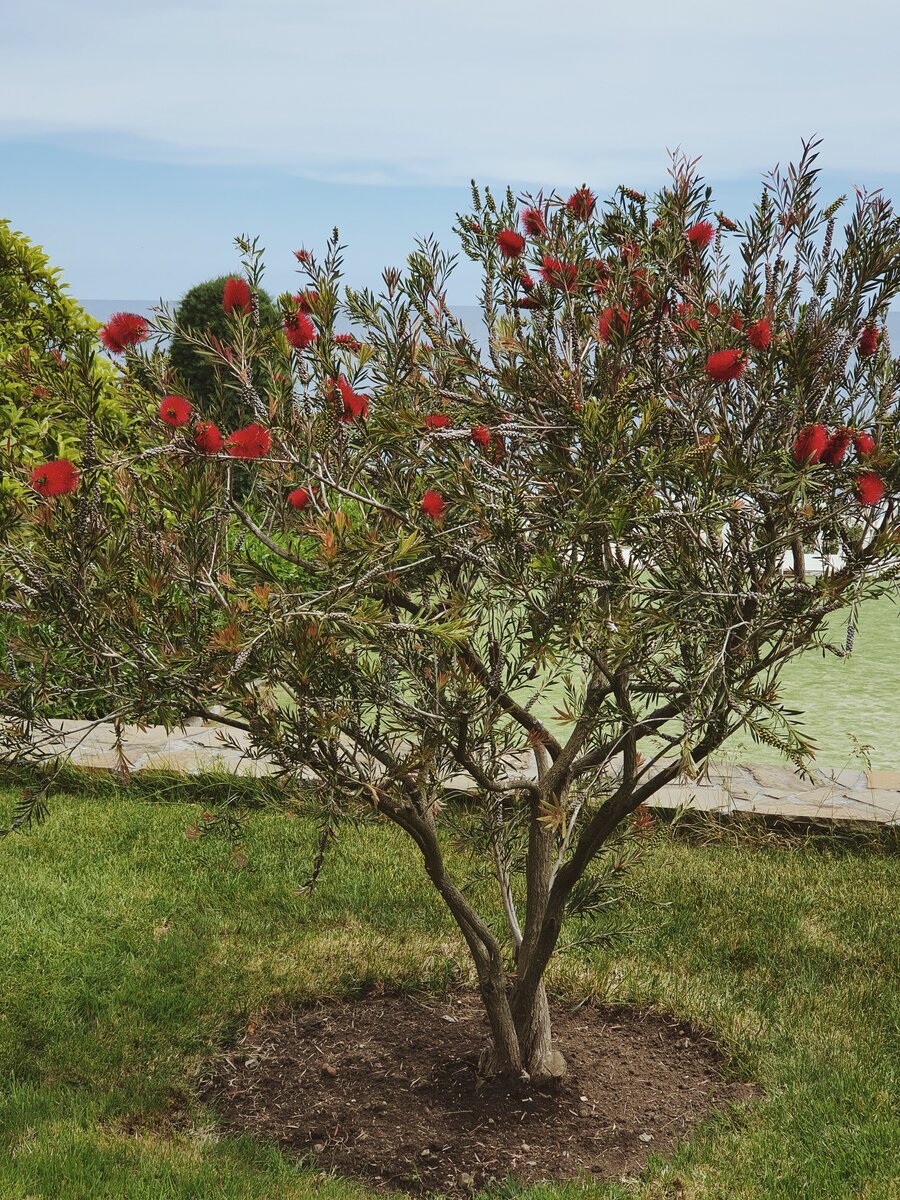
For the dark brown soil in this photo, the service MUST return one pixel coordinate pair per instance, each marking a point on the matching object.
(385, 1089)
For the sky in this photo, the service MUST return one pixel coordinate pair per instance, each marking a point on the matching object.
(137, 140)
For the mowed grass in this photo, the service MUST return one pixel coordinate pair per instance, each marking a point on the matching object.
(128, 952)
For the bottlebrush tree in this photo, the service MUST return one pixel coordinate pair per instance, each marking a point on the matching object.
(565, 570)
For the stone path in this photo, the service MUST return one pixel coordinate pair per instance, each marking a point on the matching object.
(837, 795)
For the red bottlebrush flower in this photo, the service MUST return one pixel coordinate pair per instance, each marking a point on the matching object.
(558, 274)
(864, 444)
(303, 256)
(175, 411)
(307, 300)
(299, 331)
(533, 222)
(737, 322)
(810, 444)
(526, 281)
(639, 292)
(701, 234)
(528, 302)
(869, 487)
(582, 203)
(123, 330)
(55, 478)
(759, 335)
(481, 435)
(613, 321)
(299, 498)
(207, 438)
(511, 243)
(838, 445)
(438, 421)
(723, 365)
(354, 405)
(433, 506)
(727, 223)
(348, 340)
(868, 341)
(236, 294)
(253, 441)
(713, 309)
(684, 311)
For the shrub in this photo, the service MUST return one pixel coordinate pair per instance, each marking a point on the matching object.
(41, 330)
(605, 519)
(200, 371)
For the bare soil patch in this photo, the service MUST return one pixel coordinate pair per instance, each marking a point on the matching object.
(385, 1089)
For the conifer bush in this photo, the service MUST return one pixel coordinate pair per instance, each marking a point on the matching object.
(561, 573)
(204, 313)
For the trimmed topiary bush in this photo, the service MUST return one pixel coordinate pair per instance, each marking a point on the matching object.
(202, 375)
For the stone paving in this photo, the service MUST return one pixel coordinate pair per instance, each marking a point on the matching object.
(833, 794)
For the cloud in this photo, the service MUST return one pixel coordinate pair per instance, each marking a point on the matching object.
(409, 92)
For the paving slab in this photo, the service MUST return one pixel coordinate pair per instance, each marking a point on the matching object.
(723, 787)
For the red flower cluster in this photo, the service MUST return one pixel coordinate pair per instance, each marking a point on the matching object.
(759, 335)
(348, 340)
(511, 243)
(207, 438)
(869, 488)
(175, 411)
(533, 222)
(433, 505)
(123, 330)
(810, 444)
(814, 444)
(481, 436)
(438, 421)
(303, 256)
(582, 203)
(253, 441)
(613, 321)
(236, 294)
(558, 274)
(864, 444)
(868, 341)
(701, 234)
(353, 404)
(723, 365)
(299, 498)
(526, 281)
(838, 445)
(299, 330)
(55, 478)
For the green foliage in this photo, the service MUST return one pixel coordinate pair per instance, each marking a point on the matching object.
(200, 374)
(621, 529)
(41, 328)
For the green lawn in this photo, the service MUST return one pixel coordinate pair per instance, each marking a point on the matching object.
(128, 951)
(846, 702)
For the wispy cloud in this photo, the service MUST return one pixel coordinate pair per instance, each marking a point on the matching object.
(409, 92)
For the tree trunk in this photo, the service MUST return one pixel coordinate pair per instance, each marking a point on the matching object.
(539, 1058)
(520, 1047)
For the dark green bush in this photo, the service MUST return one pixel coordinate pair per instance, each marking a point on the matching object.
(203, 378)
